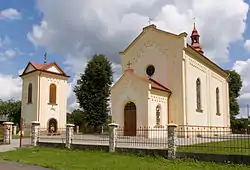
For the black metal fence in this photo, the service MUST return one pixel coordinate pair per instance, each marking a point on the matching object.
(144, 137)
(211, 139)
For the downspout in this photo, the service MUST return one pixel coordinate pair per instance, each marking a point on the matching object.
(39, 100)
(168, 108)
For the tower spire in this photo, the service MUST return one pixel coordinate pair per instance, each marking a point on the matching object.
(195, 42)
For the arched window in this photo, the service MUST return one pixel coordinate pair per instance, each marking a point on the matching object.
(52, 94)
(158, 115)
(217, 101)
(198, 95)
(30, 93)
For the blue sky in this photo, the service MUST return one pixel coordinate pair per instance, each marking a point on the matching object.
(71, 32)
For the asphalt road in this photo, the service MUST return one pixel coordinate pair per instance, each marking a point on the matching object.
(5, 165)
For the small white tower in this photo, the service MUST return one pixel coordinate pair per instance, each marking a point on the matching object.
(44, 95)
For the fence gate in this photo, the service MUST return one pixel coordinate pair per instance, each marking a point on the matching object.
(25, 134)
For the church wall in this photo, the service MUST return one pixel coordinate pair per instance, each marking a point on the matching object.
(165, 52)
(58, 111)
(29, 111)
(209, 82)
(130, 89)
(194, 71)
(161, 99)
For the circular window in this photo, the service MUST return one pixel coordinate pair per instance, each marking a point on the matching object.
(150, 70)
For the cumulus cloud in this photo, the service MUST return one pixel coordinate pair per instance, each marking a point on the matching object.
(80, 29)
(12, 87)
(247, 45)
(6, 51)
(10, 13)
(243, 69)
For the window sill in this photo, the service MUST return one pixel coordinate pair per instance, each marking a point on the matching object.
(53, 104)
(218, 114)
(158, 126)
(29, 103)
(199, 110)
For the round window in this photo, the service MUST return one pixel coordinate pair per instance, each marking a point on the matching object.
(150, 70)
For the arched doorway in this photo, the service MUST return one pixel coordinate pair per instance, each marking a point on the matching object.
(130, 119)
(52, 126)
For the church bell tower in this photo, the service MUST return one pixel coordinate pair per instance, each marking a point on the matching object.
(195, 40)
(44, 95)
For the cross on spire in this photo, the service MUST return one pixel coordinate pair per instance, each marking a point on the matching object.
(129, 64)
(45, 58)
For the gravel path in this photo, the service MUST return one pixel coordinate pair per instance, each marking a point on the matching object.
(5, 165)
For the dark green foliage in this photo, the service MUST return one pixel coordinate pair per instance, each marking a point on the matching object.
(76, 117)
(93, 90)
(12, 109)
(235, 85)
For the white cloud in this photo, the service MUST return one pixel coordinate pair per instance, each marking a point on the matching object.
(243, 69)
(78, 30)
(247, 45)
(10, 13)
(6, 51)
(10, 53)
(12, 87)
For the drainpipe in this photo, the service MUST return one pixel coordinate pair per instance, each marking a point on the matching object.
(38, 112)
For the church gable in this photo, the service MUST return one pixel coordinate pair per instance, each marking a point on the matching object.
(29, 68)
(54, 69)
(49, 68)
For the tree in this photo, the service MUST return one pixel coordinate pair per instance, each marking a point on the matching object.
(93, 90)
(12, 109)
(77, 117)
(235, 85)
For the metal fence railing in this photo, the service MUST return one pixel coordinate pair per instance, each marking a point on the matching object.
(144, 137)
(211, 139)
(59, 136)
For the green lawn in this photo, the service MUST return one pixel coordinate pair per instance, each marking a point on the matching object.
(239, 147)
(61, 159)
(18, 137)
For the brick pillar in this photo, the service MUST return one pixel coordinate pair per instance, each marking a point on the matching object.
(69, 134)
(172, 139)
(7, 132)
(34, 132)
(112, 136)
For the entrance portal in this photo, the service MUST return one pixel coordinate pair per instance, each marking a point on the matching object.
(130, 119)
(52, 126)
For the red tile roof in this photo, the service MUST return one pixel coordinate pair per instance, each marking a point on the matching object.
(43, 67)
(154, 83)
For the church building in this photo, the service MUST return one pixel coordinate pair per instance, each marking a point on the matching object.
(165, 80)
(44, 95)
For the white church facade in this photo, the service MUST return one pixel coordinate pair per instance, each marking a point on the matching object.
(44, 96)
(165, 80)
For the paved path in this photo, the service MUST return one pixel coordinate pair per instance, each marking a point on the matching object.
(14, 145)
(5, 165)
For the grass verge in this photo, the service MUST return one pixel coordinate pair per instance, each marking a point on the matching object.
(61, 159)
(236, 147)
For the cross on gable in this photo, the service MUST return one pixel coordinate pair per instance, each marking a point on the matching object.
(129, 64)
